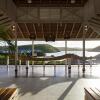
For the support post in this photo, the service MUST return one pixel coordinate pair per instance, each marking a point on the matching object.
(44, 68)
(78, 61)
(84, 32)
(19, 65)
(16, 50)
(66, 58)
(27, 67)
(32, 56)
(69, 67)
(7, 63)
(91, 62)
(55, 69)
(16, 59)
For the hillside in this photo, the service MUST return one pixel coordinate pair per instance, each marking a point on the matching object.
(44, 48)
(69, 49)
(72, 49)
(97, 49)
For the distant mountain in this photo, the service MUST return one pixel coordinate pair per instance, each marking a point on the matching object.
(97, 49)
(69, 49)
(44, 48)
(97, 56)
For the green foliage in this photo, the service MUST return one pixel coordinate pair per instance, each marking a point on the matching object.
(46, 48)
(43, 48)
(3, 35)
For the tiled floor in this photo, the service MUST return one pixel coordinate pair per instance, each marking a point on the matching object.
(56, 88)
(52, 88)
(59, 71)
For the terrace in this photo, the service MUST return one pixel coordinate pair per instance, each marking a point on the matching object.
(49, 21)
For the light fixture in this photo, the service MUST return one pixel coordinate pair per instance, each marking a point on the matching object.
(72, 1)
(13, 27)
(86, 27)
(29, 1)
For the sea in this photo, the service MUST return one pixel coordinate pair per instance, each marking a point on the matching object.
(79, 53)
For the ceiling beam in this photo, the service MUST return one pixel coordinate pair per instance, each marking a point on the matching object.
(20, 31)
(97, 36)
(91, 34)
(5, 21)
(49, 21)
(27, 29)
(56, 32)
(72, 29)
(43, 32)
(3, 17)
(79, 31)
(35, 30)
(64, 34)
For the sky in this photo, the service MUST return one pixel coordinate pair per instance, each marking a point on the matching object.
(71, 44)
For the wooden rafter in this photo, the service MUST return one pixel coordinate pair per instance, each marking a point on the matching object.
(20, 31)
(72, 29)
(35, 30)
(27, 29)
(56, 32)
(64, 30)
(97, 36)
(43, 32)
(91, 34)
(79, 31)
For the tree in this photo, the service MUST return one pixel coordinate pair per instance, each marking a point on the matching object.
(3, 35)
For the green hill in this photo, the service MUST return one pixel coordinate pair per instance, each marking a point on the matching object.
(44, 48)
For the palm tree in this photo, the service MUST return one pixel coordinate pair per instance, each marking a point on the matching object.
(3, 35)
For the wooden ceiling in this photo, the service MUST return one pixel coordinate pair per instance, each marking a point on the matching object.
(49, 31)
(52, 31)
(50, 3)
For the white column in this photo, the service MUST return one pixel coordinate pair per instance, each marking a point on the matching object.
(33, 56)
(8, 63)
(19, 65)
(78, 61)
(84, 32)
(55, 68)
(90, 62)
(44, 68)
(66, 58)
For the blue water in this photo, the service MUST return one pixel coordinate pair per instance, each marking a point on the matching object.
(79, 53)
